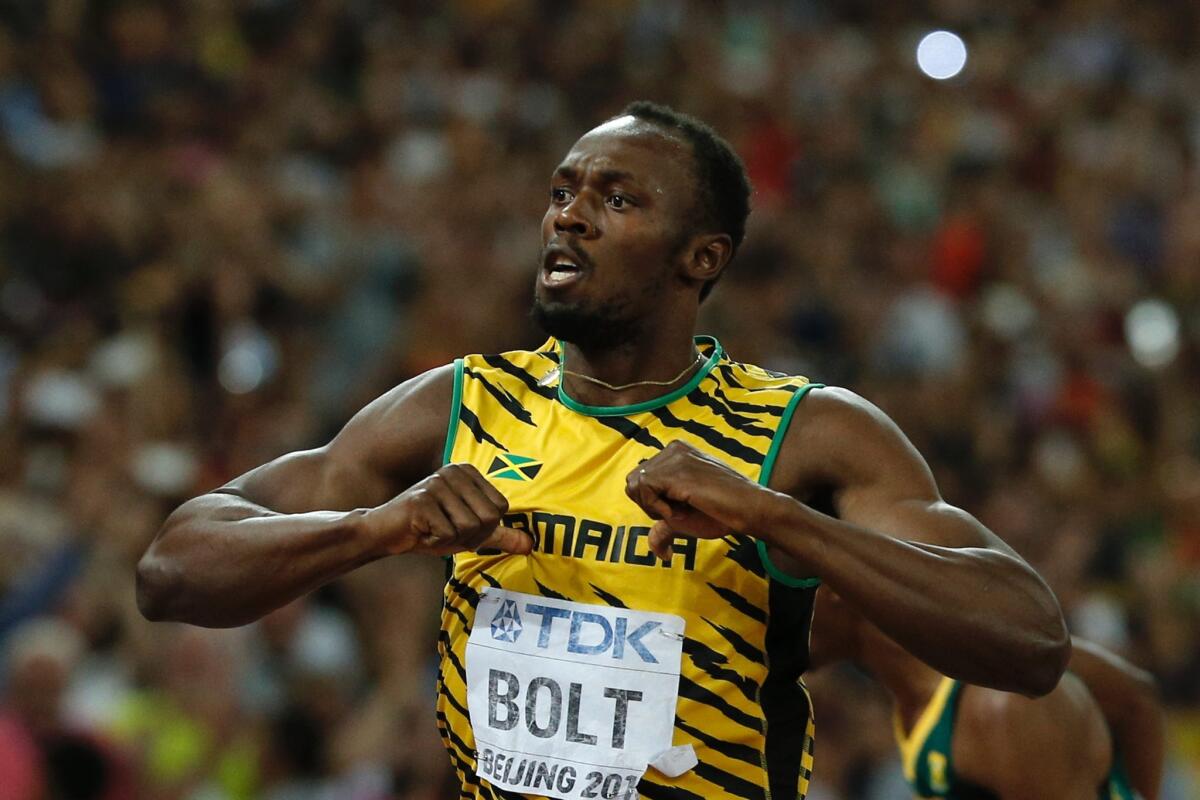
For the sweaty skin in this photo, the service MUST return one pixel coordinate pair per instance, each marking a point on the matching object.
(1055, 747)
(922, 570)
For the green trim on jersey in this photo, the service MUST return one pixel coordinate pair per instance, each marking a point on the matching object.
(646, 405)
(748, 721)
(764, 478)
(455, 405)
(779, 575)
(1118, 786)
(925, 751)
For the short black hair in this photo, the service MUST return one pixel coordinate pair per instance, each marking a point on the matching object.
(724, 186)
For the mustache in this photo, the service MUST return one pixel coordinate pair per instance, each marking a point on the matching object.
(577, 253)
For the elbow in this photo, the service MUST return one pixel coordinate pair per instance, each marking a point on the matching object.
(160, 578)
(1045, 642)
(1049, 653)
(154, 588)
(1048, 669)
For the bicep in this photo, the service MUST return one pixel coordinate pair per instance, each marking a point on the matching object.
(934, 523)
(310, 480)
(878, 478)
(387, 446)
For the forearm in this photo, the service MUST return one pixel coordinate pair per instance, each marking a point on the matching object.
(976, 614)
(221, 561)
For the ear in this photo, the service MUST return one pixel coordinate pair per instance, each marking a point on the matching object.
(705, 256)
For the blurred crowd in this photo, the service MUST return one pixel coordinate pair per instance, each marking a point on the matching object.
(225, 226)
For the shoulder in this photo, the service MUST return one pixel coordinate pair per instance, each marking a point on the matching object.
(991, 731)
(838, 437)
(1005, 740)
(429, 397)
(746, 389)
(737, 375)
(749, 380)
(984, 712)
(836, 414)
(402, 431)
(515, 367)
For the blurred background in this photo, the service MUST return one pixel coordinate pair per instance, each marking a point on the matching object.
(225, 226)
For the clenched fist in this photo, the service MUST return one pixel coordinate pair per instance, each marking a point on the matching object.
(693, 494)
(452, 511)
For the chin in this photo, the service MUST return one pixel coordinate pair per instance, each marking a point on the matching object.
(603, 328)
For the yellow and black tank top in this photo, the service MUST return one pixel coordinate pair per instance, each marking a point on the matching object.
(926, 753)
(562, 466)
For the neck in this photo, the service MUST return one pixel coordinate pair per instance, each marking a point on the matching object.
(910, 681)
(657, 358)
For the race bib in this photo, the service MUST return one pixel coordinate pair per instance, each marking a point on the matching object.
(570, 700)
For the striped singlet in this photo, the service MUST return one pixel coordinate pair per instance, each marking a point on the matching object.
(741, 705)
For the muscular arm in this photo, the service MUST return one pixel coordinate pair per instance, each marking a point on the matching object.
(927, 574)
(1128, 699)
(281, 530)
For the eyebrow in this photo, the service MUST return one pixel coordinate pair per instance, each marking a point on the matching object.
(607, 176)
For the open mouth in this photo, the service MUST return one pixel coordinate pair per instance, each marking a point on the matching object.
(561, 272)
(559, 268)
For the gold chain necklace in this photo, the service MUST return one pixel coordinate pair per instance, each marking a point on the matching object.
(555, 373)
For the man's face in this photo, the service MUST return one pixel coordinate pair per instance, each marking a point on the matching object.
(613, 233)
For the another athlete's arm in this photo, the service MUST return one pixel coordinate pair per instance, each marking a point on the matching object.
(926, 573)
(279, 531)
(1128, 698)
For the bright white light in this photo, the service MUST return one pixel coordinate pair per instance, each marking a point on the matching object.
(249, 360)
(1152, 330)
(164, 468)
(941, 55)
(241, 370)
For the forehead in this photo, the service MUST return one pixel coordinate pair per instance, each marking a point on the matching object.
(642, 150)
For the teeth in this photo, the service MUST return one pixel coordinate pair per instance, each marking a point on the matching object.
(561, 270)
(560, 274)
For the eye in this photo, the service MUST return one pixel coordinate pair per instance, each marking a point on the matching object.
(560, 195)
(619, 201)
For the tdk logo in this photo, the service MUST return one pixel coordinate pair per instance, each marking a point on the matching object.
(506, 625)
(588, 634)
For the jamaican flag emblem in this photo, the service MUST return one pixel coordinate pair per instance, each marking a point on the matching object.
(514, 467)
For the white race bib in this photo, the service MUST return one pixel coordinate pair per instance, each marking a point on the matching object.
(570, 700)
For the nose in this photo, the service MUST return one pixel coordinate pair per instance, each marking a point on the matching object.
(573, 218)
